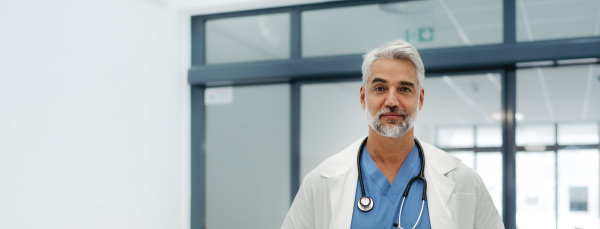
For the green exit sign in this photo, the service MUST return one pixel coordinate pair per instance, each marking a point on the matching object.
(422, 34)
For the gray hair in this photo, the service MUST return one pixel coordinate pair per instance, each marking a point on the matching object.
(395, 50)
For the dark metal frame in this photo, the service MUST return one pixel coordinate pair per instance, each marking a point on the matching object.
(297, 70)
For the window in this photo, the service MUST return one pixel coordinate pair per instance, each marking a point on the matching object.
(249, 38)
(426, 24)
(539, 20)
(557, 137)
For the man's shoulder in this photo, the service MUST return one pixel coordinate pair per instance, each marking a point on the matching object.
(338, 163)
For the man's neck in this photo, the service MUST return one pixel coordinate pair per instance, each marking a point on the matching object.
(389, 153)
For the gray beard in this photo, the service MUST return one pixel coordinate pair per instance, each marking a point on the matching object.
(390, 131)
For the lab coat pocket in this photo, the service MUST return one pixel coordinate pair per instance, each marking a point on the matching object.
(462, 206)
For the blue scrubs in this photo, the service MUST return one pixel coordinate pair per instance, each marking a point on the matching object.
(387, 198)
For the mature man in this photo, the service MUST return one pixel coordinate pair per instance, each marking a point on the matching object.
(364, 185)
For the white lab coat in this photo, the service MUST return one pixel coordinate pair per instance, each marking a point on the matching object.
(457, 197)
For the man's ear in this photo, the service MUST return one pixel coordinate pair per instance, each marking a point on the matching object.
(421, 98)
(362, 97)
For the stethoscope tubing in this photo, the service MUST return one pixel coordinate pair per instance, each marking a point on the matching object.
(365, 207)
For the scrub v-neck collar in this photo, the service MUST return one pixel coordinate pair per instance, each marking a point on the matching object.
(410, 168)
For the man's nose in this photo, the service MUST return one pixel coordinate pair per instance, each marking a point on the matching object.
(391, 99)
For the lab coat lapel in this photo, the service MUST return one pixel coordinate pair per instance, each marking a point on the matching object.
(342, 189)
(439, 187)
(342, 178)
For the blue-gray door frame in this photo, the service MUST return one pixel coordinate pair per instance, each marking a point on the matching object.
(326, 69)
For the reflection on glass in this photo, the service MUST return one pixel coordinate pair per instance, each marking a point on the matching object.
(426, 24)
(489, 167)
(244, 152)
(544, 20)
(535, 190)
(578, 133)
(249, 38)
(489, 136)
(578, 189)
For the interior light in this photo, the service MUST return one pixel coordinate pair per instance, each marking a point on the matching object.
(535, 64)
(578, 61)
(498, 116)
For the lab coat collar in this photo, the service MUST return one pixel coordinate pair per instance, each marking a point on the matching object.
(439, 187)
(342, 177)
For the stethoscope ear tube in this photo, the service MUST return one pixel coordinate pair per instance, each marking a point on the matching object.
(410, 183)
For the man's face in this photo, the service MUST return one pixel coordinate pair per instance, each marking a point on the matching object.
(392, 98)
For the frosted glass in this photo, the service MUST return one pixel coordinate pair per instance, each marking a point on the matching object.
(331, 120)
(250, 38)
(426, 24)
(248, 159)
(578, 168)
(578, 133)
(535, 190)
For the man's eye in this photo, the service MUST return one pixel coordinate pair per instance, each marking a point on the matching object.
(379, 89)
(405, 89)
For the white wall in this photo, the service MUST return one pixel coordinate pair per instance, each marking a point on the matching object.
(94, 114)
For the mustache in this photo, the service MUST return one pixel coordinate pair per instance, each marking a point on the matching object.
(395, 110)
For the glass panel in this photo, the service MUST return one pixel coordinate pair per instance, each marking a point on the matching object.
(535, 190)
(489, 136)
(453, 108)
(558, 94)
(578, 189)
(455, 136)
(331, 120)
(250, 38)
(544, 20)
(567, 97)
(426, 24)
(578, 133)
(535, 134)
(458, 102)
(245, 147)
(489, 167)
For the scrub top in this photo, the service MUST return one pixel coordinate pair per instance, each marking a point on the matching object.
(387, 198)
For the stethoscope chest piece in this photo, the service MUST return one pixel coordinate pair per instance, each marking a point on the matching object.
(365, 204)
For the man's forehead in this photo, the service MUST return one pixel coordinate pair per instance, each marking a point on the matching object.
(393, 80)
(393, 71)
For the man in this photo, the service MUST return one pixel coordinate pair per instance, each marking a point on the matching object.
(332, 196)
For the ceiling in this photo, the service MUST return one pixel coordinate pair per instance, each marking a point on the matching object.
(442, 23)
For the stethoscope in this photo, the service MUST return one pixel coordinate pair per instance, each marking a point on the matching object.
(365, 203)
